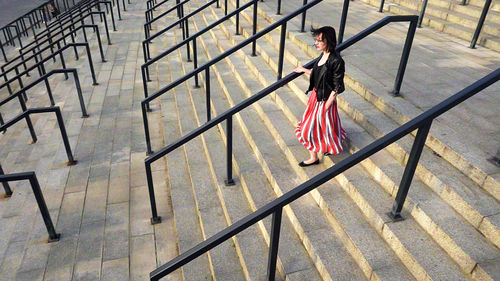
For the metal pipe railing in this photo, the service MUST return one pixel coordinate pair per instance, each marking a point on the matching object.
(38, 55)
(26, 115)
(37, 192)
(39, 65)
(479, 26)
(149, 61)
(249, 101)
(44, 79)
(422, 123)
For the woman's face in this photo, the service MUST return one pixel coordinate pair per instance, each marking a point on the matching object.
(319, 43)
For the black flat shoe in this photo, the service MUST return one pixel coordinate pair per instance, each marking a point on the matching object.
(302, 164)
(327, 154)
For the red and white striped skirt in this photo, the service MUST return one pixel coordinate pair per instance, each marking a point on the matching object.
(320, 130)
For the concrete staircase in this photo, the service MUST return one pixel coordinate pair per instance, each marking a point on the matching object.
(451, 230)
(449, 16)
(338, 232)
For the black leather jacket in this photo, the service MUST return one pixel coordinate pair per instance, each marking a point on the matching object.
(331, 77)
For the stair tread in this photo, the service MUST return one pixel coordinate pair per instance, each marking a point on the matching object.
(251, 126)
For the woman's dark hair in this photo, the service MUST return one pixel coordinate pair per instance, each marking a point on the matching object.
(329, 37)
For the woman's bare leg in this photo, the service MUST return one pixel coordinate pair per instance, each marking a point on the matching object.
(313, 156)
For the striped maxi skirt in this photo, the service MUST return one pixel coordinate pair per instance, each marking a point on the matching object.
(320, 129)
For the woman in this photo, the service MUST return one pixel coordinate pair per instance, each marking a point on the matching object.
(320, 130)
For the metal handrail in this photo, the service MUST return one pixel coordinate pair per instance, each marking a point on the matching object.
(37, 192)
(149, 13)
(67, 19)
(282, 23)
(27, 14)
(480, 23)
(148, 24)
(44, 78)
(38, 55)
(227, 115)
(41, 67)
(150, 37)
(422, 123)
(26, 115)
(149, 61)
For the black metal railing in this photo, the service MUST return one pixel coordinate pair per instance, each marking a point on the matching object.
(187, 39)
(227, 115)
(37, 192)
(41, 68)
(45, 78)
(150, 19)
(422, 123)
(27, 112)
(151, 8)
(37, 52)
(479, 26)
(185, 31)
(480, 23)
(34, 20)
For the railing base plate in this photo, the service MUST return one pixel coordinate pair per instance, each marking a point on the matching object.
(51, 240)
(155, 220)
(395, 218)
(229, 182)
(71, 163)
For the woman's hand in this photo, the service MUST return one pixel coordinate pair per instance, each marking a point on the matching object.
(330, 100)
(302, 69)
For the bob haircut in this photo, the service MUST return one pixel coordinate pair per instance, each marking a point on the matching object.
(329, 37)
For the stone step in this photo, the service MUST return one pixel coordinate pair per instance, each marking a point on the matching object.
(467, 165)
(298, 213)
(470, 231)
(396, 269)
(467, 16)
(197, 216)
(456, 26)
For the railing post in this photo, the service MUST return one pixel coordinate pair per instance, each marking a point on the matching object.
(480, 24)
(274, 244)
(6, 187)
(80, 95)
(35, 186)
(237, 18)
(411, 165)
(218, 3)
(207, 91)
(229, 151)
(303, 22)
(404, 57)
(146, 128)
(422, 13)
(195, 63)
(187, 43)
(254, 28)
(381, 9)
(144, 84)
(91, 64)
(67, 147)
(154, 218)
(28, 119)
(3, 52)
(99, 43)
(49, 92)
(343, 20)
(282, 50)
(225, 7)
(278, 10)
(464, 2)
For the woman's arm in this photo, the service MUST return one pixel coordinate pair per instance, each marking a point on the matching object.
(331, 99)
(302, 69)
